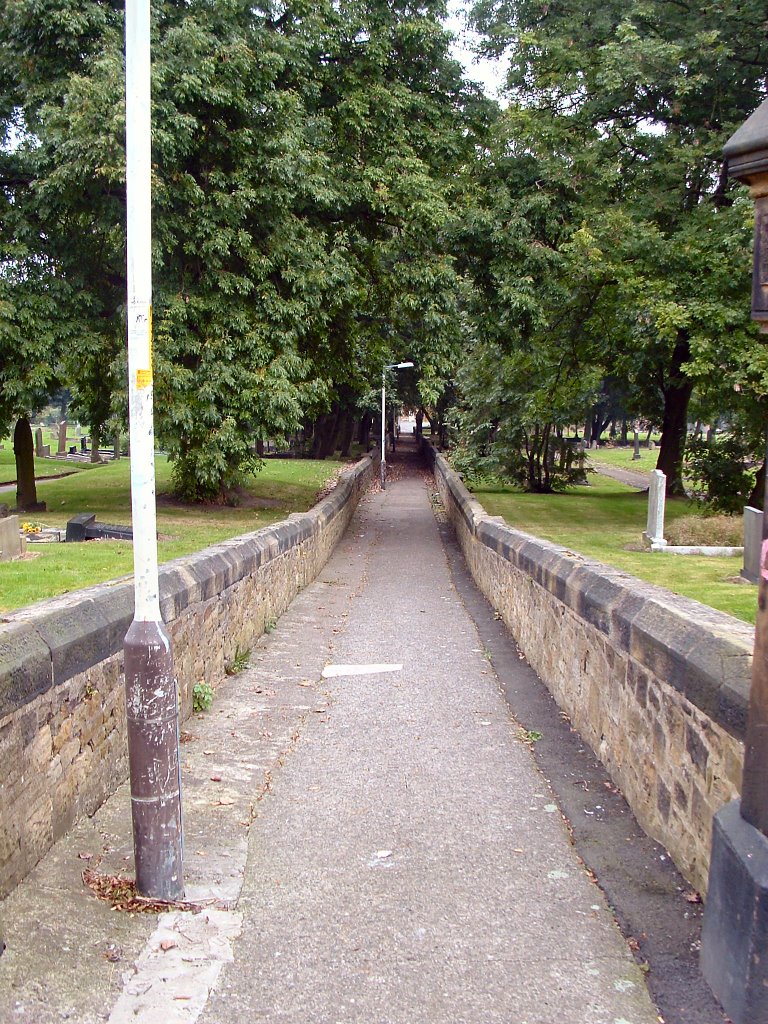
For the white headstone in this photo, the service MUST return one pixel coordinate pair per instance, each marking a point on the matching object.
(657, 495)
(753, 542)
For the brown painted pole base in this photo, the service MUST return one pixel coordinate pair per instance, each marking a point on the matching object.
(153, 751)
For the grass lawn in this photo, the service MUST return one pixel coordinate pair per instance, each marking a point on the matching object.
(622, 458)
(283, 486)
(600, 520)
(43, 467)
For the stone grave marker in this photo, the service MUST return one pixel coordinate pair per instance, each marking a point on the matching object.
(653, 537)
(62, 449)
(39, 442)
(753, 542)
(11, 544)
(636, 454)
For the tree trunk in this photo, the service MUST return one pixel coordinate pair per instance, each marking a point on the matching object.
(317, 435)
(346, 430)
(366, 421)
(419, 422)
(24, 452)
(677, 393)
(625, 432)
(260, 447)
(95, 442)
(328, 442)
(757, 495)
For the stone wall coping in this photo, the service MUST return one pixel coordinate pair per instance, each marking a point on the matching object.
(704, 654)
(51, 641)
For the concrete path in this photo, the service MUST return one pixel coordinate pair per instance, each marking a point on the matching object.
(631, 477)
(365, 828)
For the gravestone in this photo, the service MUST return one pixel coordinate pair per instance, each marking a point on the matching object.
(651, 446)
(753, 543)
(83, 444)
(653, 537)
(39, 442)
(10, 539)
(62, 449)
(593, 446)
(84, 527)
(636, 454)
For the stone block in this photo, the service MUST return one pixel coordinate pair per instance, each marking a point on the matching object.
(662, 641)
(78, 636)
(25, 666)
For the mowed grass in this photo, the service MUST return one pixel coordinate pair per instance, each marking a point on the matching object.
(283, 486)
(623, 458)
(43, 467)
(601, 519)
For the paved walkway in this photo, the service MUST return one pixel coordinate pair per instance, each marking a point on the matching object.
(366, 831)
(631, 477)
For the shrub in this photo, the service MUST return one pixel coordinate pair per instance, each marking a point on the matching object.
(710, 531)
(717, 473)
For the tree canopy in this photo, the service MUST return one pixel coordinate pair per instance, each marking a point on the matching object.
(330, 194)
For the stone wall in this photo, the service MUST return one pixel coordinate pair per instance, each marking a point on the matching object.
(62, 705)
(656, 684)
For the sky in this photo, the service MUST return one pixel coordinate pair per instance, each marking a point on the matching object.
(487, 73)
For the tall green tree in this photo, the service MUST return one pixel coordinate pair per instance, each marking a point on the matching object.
(633, 102)
(302, 163)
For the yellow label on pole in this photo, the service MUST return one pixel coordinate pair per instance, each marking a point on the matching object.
(143, 378)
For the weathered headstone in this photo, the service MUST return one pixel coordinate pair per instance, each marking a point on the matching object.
(83, 444)
(653, 537)
(62, 449)
(637, 446)
(39, 442)
(593, 446)
(651, 446)
(753, 543)
(10, 539)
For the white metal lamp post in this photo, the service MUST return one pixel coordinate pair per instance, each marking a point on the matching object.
(389, 366)
(150, 680)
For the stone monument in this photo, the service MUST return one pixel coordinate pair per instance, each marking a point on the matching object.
(653, 537)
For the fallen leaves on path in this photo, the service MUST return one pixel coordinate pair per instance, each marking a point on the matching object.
(121, 893)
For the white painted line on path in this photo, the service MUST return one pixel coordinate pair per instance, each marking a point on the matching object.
(179, 966)
(358, 670)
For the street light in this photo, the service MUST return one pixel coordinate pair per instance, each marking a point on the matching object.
(150, 680)
(389, 366)
(733, 952)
